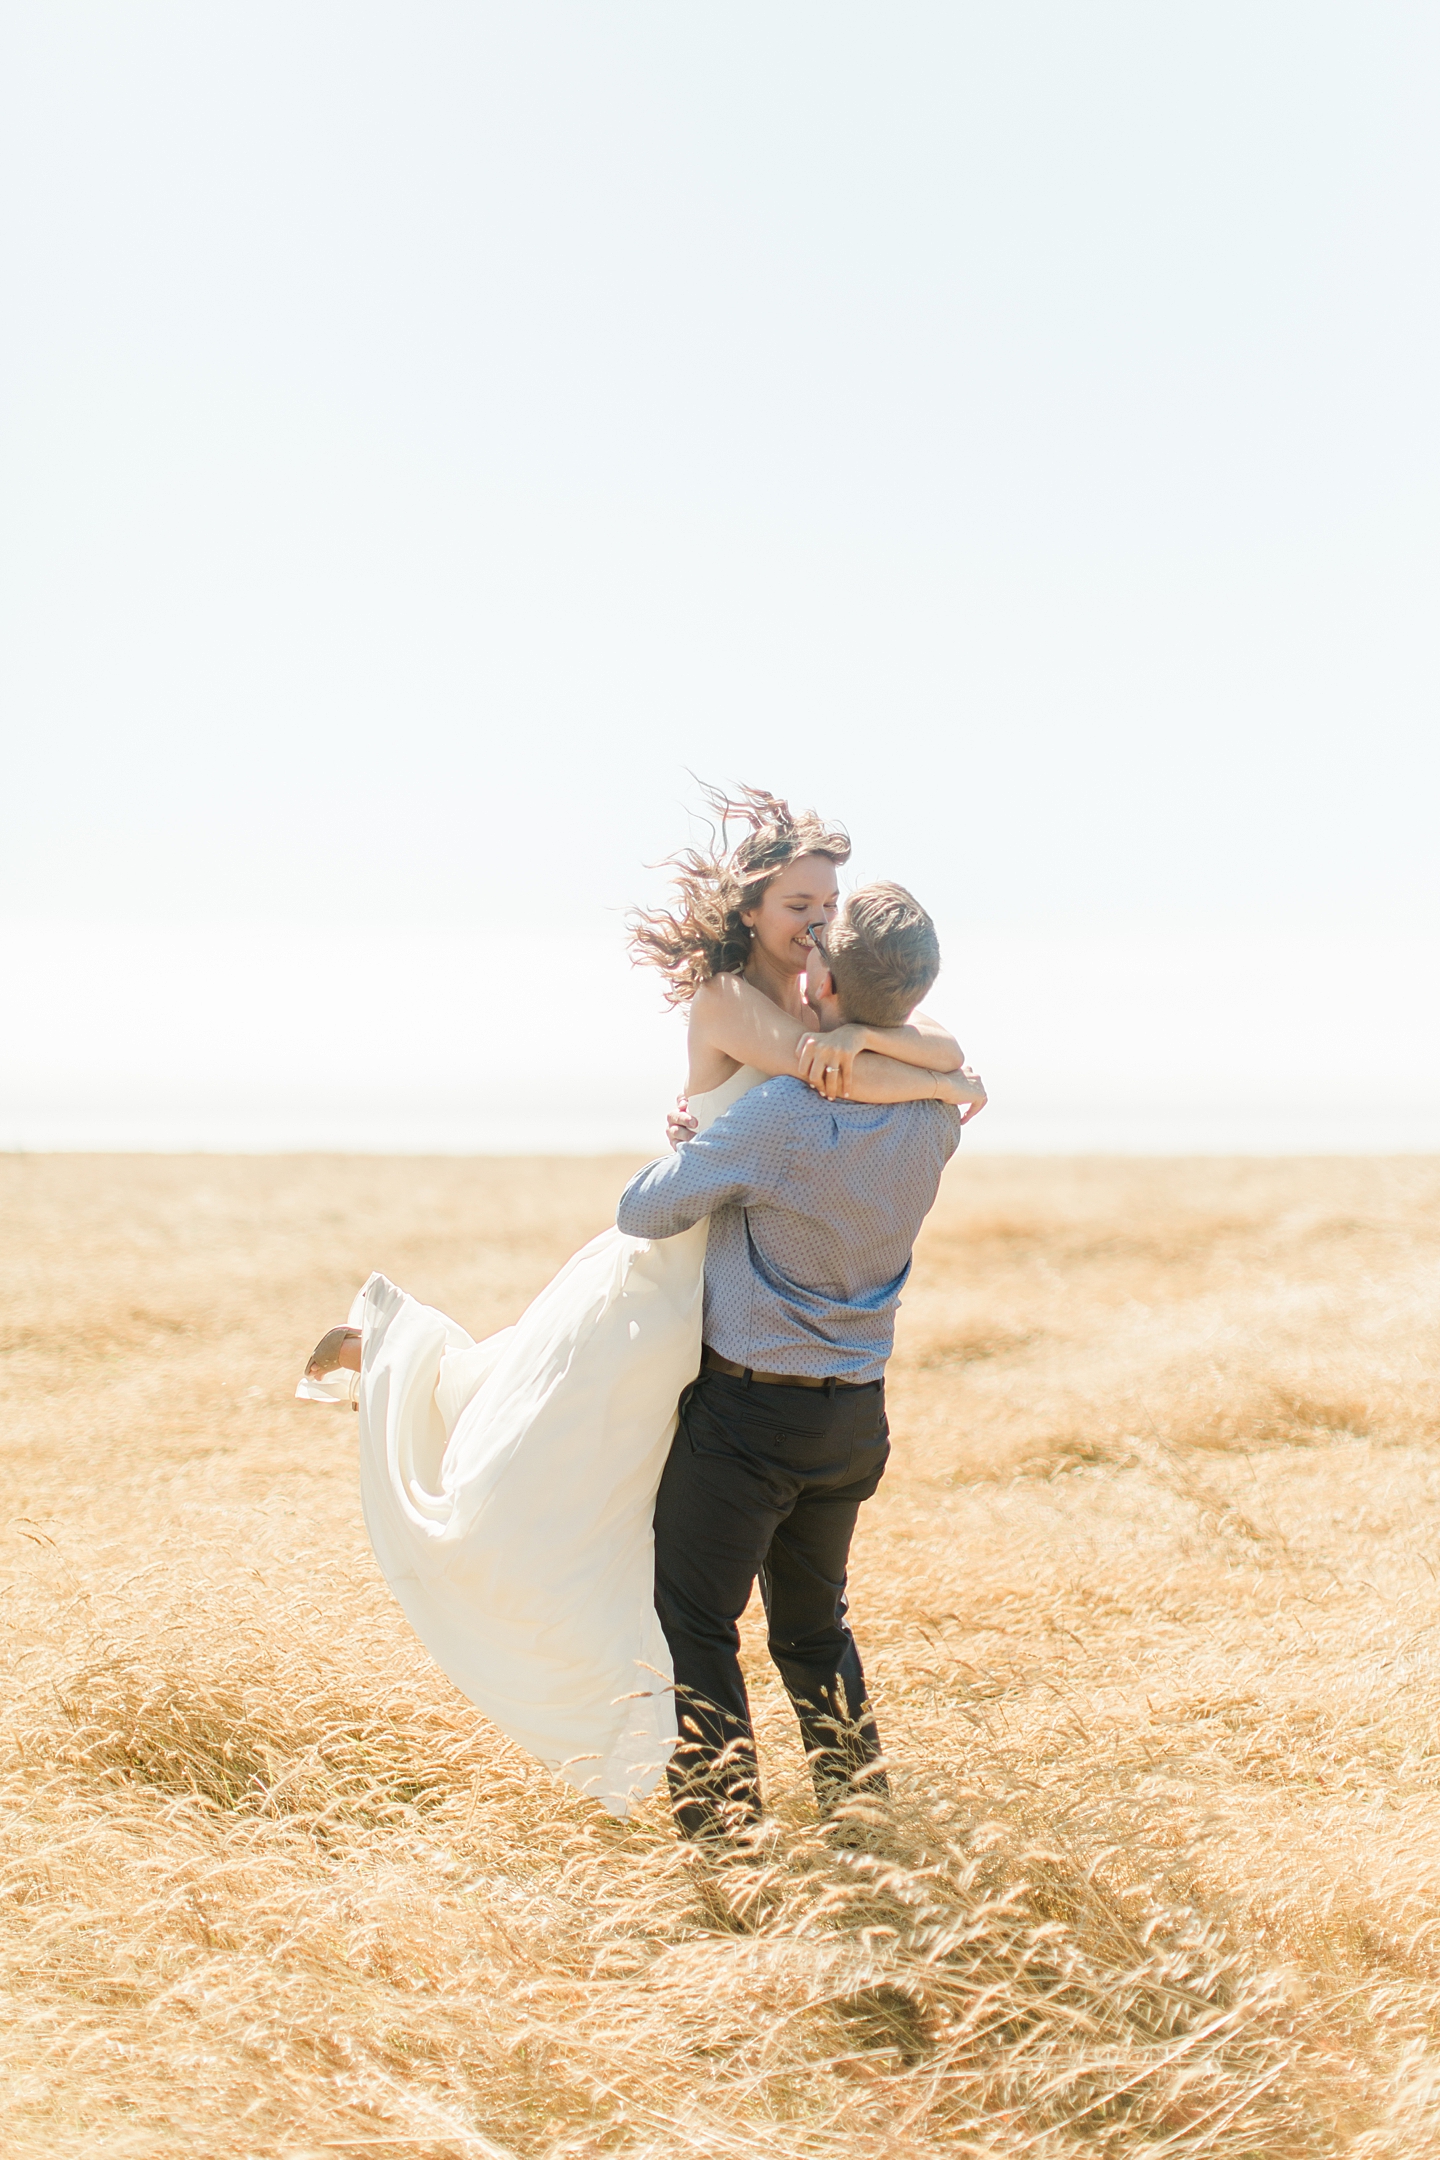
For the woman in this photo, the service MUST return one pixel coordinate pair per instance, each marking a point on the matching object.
(509, 1485)
(737, 954)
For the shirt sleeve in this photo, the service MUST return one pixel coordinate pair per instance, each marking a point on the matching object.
(739, 1162)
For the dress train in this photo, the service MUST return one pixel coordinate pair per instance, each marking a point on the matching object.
(509, 1488)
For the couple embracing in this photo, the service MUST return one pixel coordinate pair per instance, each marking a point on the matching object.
(574, 1512)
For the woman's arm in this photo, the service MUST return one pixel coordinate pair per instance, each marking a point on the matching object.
(727, 1014)
(885, 1080)
(827, 1061)
(921, 1041)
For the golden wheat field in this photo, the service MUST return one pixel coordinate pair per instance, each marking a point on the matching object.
(1148, 1600)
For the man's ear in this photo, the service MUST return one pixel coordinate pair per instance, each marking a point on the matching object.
(819, 981)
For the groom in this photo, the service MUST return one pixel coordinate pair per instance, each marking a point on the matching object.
(814, 1207)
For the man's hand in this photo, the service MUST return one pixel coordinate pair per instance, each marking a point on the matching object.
(966, 1090)
(681, 1124)
(827, 1061)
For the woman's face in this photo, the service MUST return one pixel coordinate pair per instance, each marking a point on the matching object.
(805, 891)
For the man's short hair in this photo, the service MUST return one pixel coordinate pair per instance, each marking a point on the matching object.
(883, 954)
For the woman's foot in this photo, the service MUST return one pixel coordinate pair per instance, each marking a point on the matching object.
(338, 1350)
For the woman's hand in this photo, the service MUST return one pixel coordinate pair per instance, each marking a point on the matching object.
(826, 1062)
(681, 1124)
(965, 1090)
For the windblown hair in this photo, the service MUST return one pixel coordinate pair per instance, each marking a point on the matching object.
(702, 934)
(883, 954)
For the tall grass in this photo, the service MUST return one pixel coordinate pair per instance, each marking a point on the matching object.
(1148, 1601)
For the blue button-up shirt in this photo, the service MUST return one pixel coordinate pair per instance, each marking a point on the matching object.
(814, 1207)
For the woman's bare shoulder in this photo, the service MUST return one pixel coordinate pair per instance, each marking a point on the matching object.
(710, 1066)
(716, 989)
(715, 1003)
(717, 995)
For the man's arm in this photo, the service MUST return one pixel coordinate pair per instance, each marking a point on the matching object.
(740, 1160)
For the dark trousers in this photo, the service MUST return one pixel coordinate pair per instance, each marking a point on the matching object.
(764, 1480)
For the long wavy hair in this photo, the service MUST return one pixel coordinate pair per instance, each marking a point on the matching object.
(701, 934)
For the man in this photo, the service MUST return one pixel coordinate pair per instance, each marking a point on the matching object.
(814, 1207)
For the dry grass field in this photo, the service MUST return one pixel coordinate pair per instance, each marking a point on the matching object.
(1149, 1603)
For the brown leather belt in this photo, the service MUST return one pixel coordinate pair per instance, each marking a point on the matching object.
(711, 1361)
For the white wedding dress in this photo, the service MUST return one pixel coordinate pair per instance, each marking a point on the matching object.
(509, 1488)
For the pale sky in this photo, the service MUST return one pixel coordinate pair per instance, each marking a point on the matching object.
(428, 430)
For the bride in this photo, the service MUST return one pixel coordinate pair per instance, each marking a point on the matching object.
(509, 1485)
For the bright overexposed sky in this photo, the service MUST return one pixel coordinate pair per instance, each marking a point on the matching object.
(431, 431)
